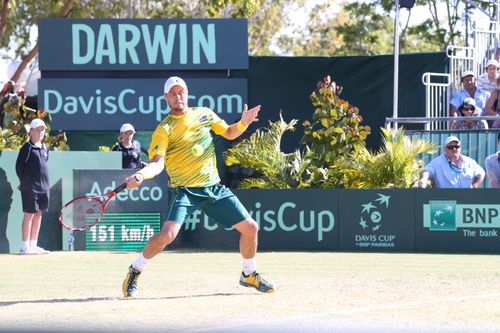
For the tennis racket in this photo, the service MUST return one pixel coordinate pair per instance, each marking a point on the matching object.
(82, 213)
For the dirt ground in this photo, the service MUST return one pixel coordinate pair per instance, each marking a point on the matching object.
(199, 292)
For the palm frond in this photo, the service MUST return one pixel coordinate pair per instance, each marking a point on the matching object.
(396, 164)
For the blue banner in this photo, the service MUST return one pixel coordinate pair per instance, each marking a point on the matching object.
(142, 44)
(105, 104)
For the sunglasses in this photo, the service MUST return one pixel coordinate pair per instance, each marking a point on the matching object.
(467, 109)
(451, 147)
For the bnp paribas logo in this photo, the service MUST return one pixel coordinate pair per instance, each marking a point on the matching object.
(371, 216)
(441, 215)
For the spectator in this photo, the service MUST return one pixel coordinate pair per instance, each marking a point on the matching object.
(468, 109)
(469, 90)
(130, 148)
(492, 165)
(5, 95)
(452, 169)
(493, 108)
(489, 81)
(32, 170)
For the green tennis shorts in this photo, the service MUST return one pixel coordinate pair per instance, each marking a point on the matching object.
(217, 201)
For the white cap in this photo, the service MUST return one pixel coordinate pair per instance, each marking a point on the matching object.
(492, 62)
(470, 101)
(451, 139)
(127, 127)
(174, 81)
(35, 123)
(468, 73)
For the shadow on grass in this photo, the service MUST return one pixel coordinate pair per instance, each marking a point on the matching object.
(98, 299)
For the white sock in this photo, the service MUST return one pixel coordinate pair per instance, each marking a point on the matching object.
(33, 243)
(140, 263)
(249, 266)
(25, 245)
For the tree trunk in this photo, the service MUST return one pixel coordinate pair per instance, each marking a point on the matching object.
(3, 18)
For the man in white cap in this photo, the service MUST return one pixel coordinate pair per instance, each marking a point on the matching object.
(33, 173)
(452, 169)
(183, 144)
(469, 90)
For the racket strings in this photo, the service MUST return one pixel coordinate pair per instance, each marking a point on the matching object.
(82, 213)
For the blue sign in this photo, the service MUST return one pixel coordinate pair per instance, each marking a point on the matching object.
(142, 44)
(105, 104)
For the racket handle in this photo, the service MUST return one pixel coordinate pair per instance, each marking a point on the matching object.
(120, 188)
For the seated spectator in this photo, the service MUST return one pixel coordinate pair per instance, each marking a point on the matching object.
(490, 81)
(452, 169)
(469, 90)
(130, 148)
(468, 109)
(493, 108)
(492, 165)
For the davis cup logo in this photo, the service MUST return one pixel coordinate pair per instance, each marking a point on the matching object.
(440, 215)
(371, 218)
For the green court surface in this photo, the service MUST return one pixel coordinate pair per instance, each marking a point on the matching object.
(199, 292)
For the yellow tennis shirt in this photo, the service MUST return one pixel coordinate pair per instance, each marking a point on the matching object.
(186, 144)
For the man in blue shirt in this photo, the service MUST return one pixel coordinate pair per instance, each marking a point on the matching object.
(452, 169)
(469, 90)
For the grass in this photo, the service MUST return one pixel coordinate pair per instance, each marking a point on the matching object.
(199, 292)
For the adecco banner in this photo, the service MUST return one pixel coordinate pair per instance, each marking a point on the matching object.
(131, 217)
(458, 221)
(142, 44)
(377, 220)
(105, 104)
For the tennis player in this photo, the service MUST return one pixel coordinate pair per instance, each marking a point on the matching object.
(182, 143)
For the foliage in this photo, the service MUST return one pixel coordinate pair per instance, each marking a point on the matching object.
(395, 165)
(262, 152)
(335, 154)
(334, 131)
(104, 148)
(367, 32)
(319, 37)
(24, 15)
(16, 118)
(11, 141)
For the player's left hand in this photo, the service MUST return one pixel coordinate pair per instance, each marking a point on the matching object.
(250, 116)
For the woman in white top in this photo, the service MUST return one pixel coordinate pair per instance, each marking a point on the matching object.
(489, 81)
(492, 166)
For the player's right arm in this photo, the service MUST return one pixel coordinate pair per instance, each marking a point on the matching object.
(157, 151)
(151, 170)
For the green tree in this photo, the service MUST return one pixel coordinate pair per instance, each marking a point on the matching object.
(367, 32)
(319, 37)
(335, 128)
